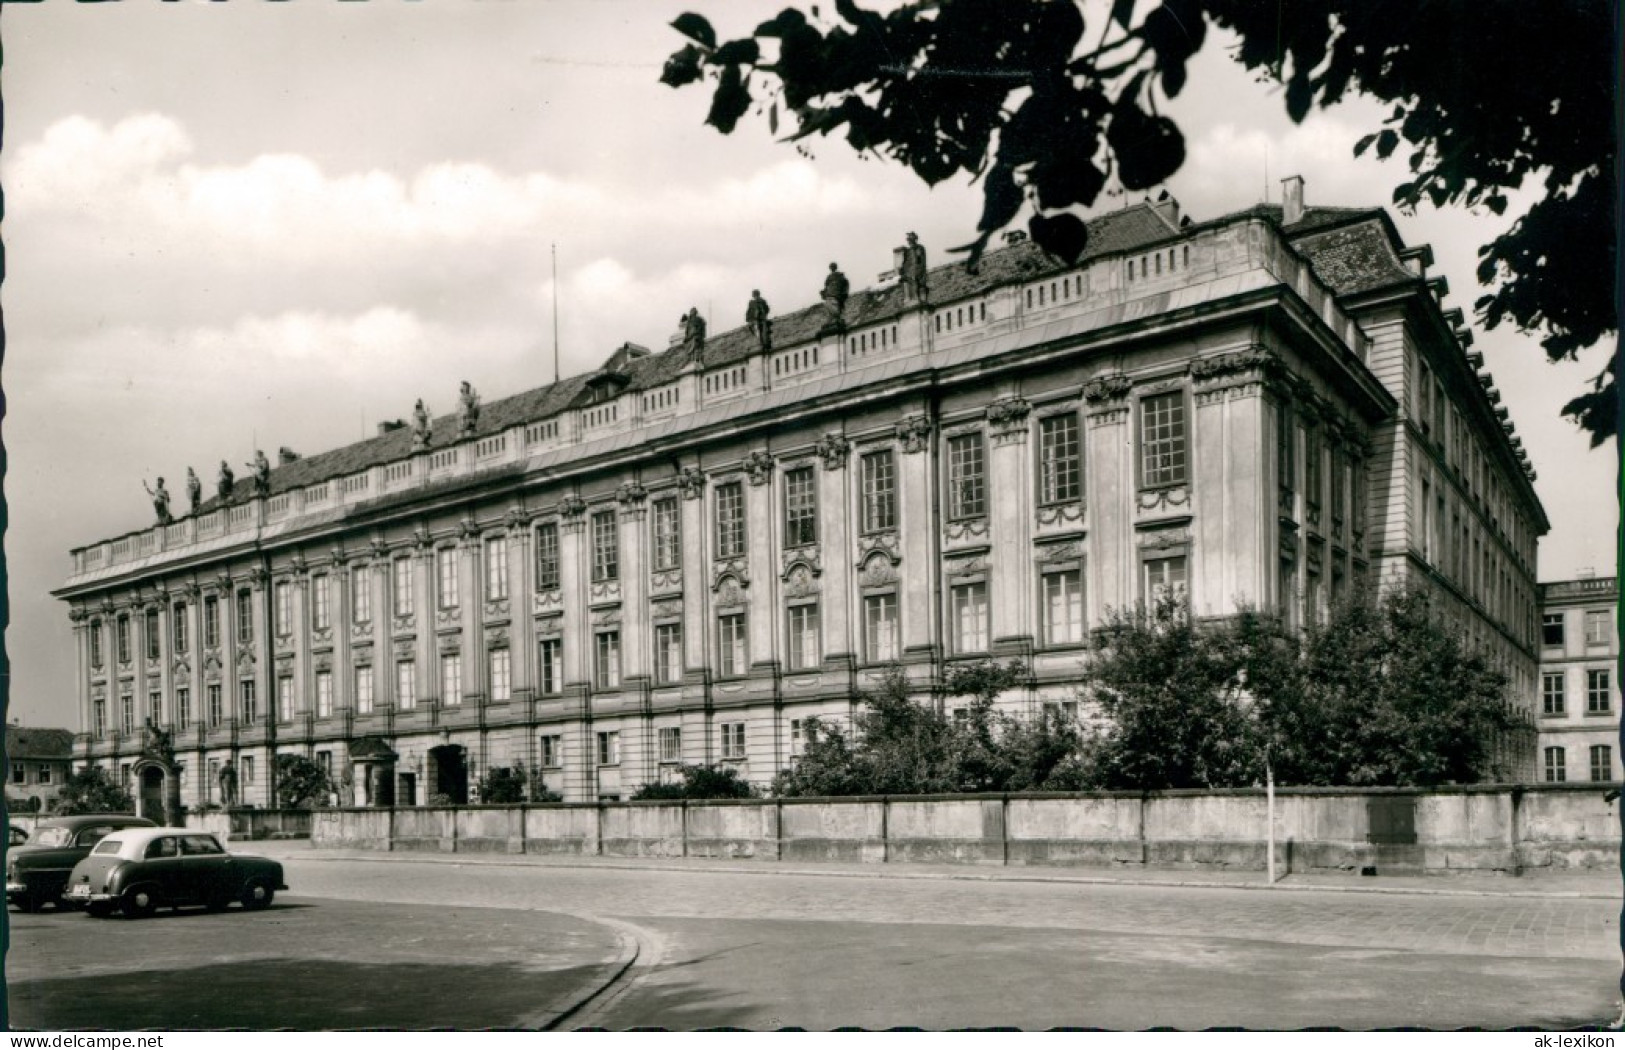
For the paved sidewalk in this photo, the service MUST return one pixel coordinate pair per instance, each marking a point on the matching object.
(1606, 885)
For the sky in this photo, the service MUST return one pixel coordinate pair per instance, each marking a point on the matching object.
(232, 227)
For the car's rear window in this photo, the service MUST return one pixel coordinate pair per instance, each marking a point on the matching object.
(108, 845)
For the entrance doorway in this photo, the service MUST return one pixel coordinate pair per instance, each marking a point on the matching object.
(448, 773)
(150, 803)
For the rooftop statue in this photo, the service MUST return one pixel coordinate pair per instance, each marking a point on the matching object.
(836, 289)
(693, 333)
(913, 270)
(160, 501)
(757, 317)
(469, 412)
(226, 482)
(194, 489)
(420, 425)
(262, 473)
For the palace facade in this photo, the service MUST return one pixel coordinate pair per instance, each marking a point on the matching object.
(684, 556)
(1579, 690)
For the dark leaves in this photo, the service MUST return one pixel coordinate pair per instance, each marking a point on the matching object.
(1063, 236)
(1175, 32)
(1149, 149)
(1001, 198)
(696, 28)
(731, 100)
(682, 68)
(736, 52)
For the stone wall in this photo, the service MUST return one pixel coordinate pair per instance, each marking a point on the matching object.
(1391, 831)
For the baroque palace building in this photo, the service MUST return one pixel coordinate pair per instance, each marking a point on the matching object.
(684, 556)
(1579, 690)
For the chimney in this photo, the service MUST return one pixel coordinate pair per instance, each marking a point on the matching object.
(389, 425)
(1587, 573)
(1167, 208)
(1291, 200)
(285, 455)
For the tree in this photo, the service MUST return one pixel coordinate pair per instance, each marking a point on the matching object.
(1485, 96)
(1171, 693)
(698, 782)
(503, 785)
(300, 782)
(92, 790)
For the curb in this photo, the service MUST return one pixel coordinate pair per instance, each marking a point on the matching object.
(894, 873)
(626, 956)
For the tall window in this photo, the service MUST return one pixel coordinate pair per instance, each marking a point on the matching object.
(500, 673)
(151, 631)
(1164, 577)
(1554, 765)
(547, 556)
(324, 694)
(95, 643)
(880, 628)
(607, 663)
(284, 609)
(970, 617)
(155, 707)
(445, 559)
(1598, 701)
(668, 653)
(1340, 472)
(731, 654)
(550, 666)
(248, 770)
(609, 748)
(552, 750)
(496, 568)
(1551, 629)
(361, 594)
(1553, 700)
(1311, 464)
(248, 703)
(1063, 607)
(1286, 443)
(363, 690)
(406, 685)
(804, 654)
(99, 717)
(733, 740)
(800, 507)
(671, 744)
(668, 534)
(1602, 762)
(402, 580)
(321, 602)
(284, 698)
(730, 520)
(1597, 626)
(245, 617)
(606, 550)
(1424, 397)
(126, 721)
(451, 679)
(183, 708)
(177, 619)
(123, 639)
(879, 491)
(217, 707)
(1060, 473)
(967, 480)
(1162, 440)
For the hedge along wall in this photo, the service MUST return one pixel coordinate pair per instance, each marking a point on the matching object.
(1487, 829)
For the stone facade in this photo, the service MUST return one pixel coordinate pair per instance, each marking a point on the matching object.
(1579, 692)
(684, 556)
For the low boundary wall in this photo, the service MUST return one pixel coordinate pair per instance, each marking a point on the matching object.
(1492, 828)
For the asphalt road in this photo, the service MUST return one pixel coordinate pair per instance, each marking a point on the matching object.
(760, 951)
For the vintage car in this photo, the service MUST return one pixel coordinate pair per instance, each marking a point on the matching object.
(141, 869)
(37, 873)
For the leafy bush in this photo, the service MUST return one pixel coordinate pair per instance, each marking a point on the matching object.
(301, 783)
(92, 790)
(698, 782)
(503, 785)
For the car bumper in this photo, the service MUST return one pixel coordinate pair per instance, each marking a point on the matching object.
(81, 894)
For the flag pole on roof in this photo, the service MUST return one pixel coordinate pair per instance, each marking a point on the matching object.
(555, 248)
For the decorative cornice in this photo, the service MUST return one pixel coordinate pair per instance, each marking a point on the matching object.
(1008, 413)
(914, 432)
(691, 481)
(631, 494)
(759, 466)
(571, 508)
(1237, 362)
(516, 518)
(1112, 387)
(833, 449)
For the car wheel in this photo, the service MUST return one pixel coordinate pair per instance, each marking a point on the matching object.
(139, 902)
(26, 901)
(97, 911)
(257, 894)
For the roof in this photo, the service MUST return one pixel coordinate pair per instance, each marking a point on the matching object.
(133, 841)
(1121, 230)
(23, 742)
(371, 747)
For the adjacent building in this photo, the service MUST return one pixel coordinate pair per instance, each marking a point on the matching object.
(40, 761)
(684, 556)
(1579, 687)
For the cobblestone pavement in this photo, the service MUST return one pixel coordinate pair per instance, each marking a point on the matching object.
(730, 948)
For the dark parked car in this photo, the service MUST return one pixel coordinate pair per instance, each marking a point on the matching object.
(37, 873)
(141, 869)
(16, 836)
